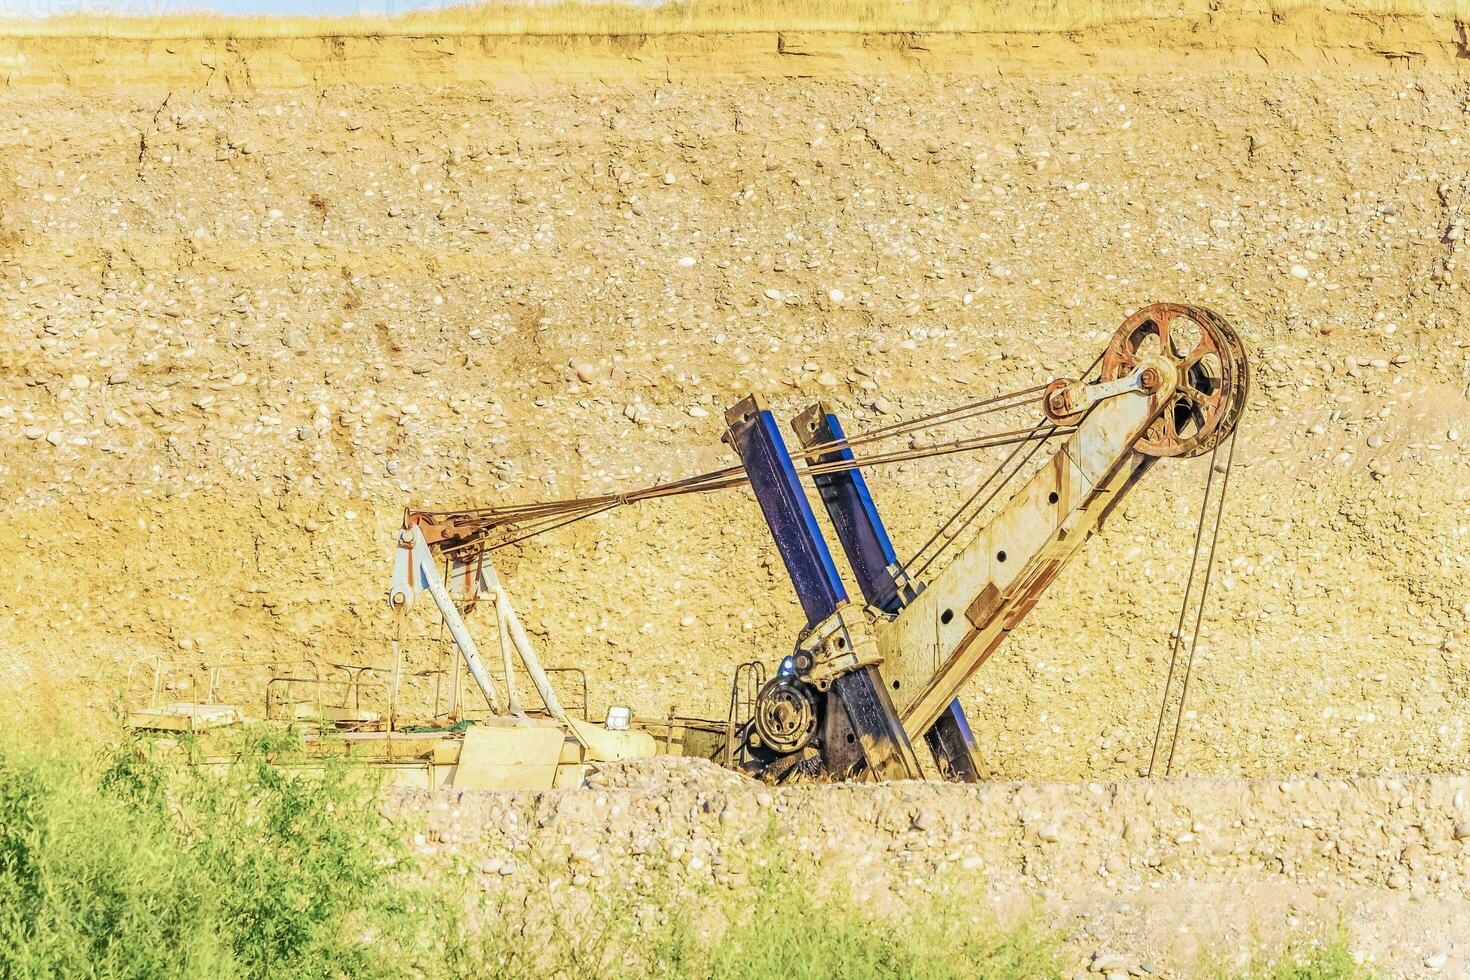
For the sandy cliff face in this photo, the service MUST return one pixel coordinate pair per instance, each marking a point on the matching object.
(250, 313)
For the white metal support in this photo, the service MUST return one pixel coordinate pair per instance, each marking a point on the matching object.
(414, 569)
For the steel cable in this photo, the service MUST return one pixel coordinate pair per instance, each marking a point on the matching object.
(1178, 638)
(474, 524)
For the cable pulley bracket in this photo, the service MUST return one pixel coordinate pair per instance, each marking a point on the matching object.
(1065, 402)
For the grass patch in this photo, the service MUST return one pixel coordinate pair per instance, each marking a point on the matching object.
(128, 864)
(787, 933)
(701, 17)
(1326, 958)
(781, 924)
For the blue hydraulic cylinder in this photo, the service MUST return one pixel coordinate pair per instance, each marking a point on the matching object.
(754, 435)
(854, 516)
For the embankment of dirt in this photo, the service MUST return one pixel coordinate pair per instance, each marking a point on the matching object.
(1301, 38)
(1165, 873)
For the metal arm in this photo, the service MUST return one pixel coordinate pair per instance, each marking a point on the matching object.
(951, 627)
(414, 569)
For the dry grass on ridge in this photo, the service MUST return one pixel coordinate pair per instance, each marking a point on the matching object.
(704, 17)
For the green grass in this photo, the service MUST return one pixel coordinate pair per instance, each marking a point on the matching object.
(1327, 958)
(786, 926)
(129, 865)
(128, 862)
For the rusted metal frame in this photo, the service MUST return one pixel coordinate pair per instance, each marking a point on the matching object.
(750, 678)
(353, 684)
(582, 706)
(964, 614)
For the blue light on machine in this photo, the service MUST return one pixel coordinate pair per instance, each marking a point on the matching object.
(787, 668)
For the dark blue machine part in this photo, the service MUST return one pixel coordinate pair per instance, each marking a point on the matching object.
(854, 516)
(755, 436)
(869, 551)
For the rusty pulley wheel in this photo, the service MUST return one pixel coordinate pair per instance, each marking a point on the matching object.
(785, 715)
(1214, 378)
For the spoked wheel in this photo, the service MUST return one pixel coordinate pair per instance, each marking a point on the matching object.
(1213, 377)
(785, 716)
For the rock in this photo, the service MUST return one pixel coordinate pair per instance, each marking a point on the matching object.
(836, 295)
(1436, 960)
(586, 371)
(1110, 963)
(1299, 272)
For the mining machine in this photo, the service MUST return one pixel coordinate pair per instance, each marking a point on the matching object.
(871, 676)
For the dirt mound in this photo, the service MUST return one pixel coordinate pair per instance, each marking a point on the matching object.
(1163, 874)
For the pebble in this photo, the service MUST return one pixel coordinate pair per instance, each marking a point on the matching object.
(836, 295)
(1109, 963)
(1299, 272)
(586, 372)
(687, 261)
(1437, 960)
(33, 432)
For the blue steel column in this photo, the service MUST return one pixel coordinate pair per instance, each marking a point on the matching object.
(854, 515)
(753, 434)
(875, 564)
